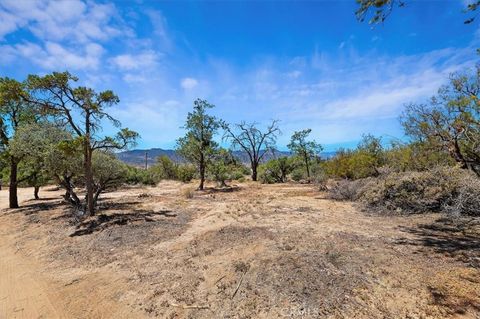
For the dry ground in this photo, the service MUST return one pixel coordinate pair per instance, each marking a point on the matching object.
(256, 251)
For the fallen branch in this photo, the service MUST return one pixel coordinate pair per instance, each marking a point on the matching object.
(239, 283)
(189, 306)
(216, 282)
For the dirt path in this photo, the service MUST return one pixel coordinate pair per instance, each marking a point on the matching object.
(31, 288)
(23, 293)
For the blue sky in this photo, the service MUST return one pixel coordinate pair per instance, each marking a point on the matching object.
(309, 64)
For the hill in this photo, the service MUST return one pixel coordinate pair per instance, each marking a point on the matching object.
(137, 157)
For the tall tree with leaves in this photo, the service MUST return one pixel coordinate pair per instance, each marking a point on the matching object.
(198, 146)
(15, 111)
(81, 110)
(451, 120)
(250, 139)
(31, 143)
(303, 148)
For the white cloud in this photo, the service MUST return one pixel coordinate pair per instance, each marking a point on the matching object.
(54, 56)
(294, 74)
(144, 60)
(157, 121)
(188, 83)
(56, 20)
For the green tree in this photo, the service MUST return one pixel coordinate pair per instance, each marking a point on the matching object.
(165, 168)
(276, 170)
(223, 166)
(198, 146)
(108, 172)
(250, 139)
(15, 111)
(451, 120)
(306, 150)
(378, 10)
(31, 143)
(82, 110)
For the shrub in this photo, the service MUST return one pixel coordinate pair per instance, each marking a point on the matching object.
(166, 168)
(350, 190)
(185, 173)
(298, 174)
(141, 176)
(466, 199)
(276, 170)
(225, 167)
(188, 192)
(319, 177)
(442, 189)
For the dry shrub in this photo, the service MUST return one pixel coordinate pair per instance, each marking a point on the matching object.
(412, 192)
(348, 189)
(466, 199)
(188, 192)
(442, 189)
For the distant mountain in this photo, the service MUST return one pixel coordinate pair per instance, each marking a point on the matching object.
(137, 157)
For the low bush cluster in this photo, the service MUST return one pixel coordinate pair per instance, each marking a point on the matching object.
(442, 189)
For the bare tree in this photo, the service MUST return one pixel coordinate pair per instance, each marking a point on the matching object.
(249, 138)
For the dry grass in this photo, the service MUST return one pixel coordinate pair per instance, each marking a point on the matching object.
(258, 251)
(187, 192)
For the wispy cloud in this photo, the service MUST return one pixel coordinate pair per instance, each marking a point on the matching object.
(143, 60)
(340, 93)
(188, 83)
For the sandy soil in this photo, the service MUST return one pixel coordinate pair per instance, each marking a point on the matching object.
(254, 251)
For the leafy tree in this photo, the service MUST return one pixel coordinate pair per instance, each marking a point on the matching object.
(379, 10)
(451, 120)
(108, 172)
(81, 110)
(32, 143)
(14, 112)
(223, 167)
(166, 168)
(415, 156)
(371, 150)
(306, 150)
(185, 172)
(276, 170)
(250, 139)
(198, 146)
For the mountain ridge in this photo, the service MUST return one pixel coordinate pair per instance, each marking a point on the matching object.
(136, 157)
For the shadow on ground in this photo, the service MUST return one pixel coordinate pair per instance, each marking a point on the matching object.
(104, 221)
(38, 206)
(457, 238)
(227, 189)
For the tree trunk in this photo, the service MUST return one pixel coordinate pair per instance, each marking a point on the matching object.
(202, 173)
(36, 189)
(97, 195)
(254, 172)
(12, 196)
(90, 201)
(307, 166)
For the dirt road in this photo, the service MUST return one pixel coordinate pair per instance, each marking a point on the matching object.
(23, 293)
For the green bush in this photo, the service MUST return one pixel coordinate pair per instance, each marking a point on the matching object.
(275, 170)
(298, 174)
(141, 176)
(185, 173)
